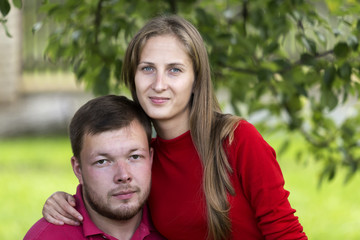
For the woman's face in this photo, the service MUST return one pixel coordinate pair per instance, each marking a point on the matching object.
(164, 80)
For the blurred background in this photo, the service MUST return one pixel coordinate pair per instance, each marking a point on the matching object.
(42, 84)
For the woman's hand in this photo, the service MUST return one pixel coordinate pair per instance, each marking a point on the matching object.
(59, 209)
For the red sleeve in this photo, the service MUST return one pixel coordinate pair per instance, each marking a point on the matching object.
(262, 183)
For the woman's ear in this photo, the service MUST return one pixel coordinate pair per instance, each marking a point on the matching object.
(75, 163)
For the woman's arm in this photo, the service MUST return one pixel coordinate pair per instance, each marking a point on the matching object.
(262, 183)
(59, 209)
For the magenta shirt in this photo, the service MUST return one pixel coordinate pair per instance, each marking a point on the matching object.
(88, 230)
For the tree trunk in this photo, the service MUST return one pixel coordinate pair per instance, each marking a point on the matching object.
(10, 57)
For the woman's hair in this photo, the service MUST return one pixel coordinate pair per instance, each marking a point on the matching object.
(208, 126)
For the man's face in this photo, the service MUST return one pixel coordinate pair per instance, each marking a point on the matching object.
(115, 172)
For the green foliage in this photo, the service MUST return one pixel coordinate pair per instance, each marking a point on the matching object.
(297, 60)
(5, 9)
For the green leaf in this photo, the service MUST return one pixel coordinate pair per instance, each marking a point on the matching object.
(345, 71)
(4, 7)
(320, 36)
(272, 47)
(3, 23)
(49, 8)
(328, 99)
(307, 59)
(294, 103)
(309, 44)
(118, 67)
(36, 27)
(283, 63)
(18, 3)
(264, 75)
(101, 85)
(353, 42)
(329, 76)
(341, 50)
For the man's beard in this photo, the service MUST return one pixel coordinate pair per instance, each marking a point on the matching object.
(103, 207)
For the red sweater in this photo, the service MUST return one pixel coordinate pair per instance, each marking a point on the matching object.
(259, 209)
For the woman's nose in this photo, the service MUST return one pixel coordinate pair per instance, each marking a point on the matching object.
(159, 84)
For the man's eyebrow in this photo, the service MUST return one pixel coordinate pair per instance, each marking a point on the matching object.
(137, 149)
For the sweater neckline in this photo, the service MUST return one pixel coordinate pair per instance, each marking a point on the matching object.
(181, 137)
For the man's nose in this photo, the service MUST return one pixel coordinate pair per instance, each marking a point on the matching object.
(122, 172)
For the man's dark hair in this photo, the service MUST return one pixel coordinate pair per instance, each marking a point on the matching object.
(102, 114)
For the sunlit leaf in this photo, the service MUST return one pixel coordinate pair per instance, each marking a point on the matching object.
(309, 44)
(321, 36)
(353, 42)
(17, 3)
(328, 99)
(36, 27)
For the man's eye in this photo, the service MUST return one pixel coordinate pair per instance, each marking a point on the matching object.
(101, 162)
(135, 156)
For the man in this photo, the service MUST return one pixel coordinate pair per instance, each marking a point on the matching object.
(110, 138)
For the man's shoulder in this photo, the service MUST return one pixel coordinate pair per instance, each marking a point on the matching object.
(45, 230)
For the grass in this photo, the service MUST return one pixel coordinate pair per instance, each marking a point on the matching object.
(330, 211)
(33, 168)
(30, 170)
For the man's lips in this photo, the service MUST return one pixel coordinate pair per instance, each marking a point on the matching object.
(159, 100)
(124, 195)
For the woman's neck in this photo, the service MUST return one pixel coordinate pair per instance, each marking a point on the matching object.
(167, 130)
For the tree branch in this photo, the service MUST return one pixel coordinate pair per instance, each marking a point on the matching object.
(173, 6)
(318, 144)
(97, 20)
(245, 13)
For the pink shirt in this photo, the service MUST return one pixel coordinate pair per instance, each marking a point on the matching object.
(88, 230)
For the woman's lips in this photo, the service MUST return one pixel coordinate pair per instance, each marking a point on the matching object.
(159, 100)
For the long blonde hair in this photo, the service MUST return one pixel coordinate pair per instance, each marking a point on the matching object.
(208, 126)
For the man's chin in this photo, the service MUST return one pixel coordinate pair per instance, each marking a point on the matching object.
(123, 213)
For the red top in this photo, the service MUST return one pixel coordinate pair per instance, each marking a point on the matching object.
(43, 230)
(259, 209)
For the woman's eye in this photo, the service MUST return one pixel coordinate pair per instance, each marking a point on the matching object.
(175, 70)
(147, 69)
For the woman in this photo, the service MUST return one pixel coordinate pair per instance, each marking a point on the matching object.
(214, 176)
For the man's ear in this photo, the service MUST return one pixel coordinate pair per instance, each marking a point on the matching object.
(75, 163)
